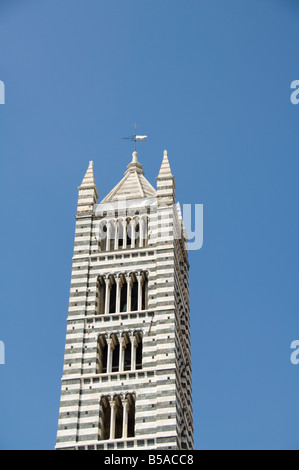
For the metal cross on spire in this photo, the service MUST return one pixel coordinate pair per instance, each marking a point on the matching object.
(136, 138)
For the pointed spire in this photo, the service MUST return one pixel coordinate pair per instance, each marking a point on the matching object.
(88, 193)
(165, 170)
(88, 180)
(165, 183)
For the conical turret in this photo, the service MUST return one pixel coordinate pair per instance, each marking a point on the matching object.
(165, 183)
(88, 193)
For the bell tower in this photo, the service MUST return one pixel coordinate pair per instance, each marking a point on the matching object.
(126, 380)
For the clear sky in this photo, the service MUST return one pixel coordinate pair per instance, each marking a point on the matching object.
(209, 80)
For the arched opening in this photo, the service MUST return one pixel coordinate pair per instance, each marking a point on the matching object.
(134, 302)
(102, 355)
(101, 293)
(112, 235)
(105, 419)
(137, 235)
(129, 234)
(115, 357)
(144, 230)
(127, 356)
(103, 237)
(124, 297)
(131, 417)
(118, 418)
(120, 414)
(139, 353)
(120, 235)
(112, 308)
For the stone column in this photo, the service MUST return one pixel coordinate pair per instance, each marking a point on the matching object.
(125, 418)
(124, 234)
(118, 291)
(121, 341)
(140, 284)
(133, 234)
(133, 352)
(141, 232)
(113, 418)
(116, 235)
(129, 293)
(107, 296)
(108, 236)
(110, 349)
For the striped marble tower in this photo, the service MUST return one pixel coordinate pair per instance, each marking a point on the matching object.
(127, 371)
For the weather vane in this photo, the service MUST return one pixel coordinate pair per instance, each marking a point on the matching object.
(136, 138)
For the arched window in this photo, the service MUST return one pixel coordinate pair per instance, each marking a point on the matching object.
(120, 234)
(129, 233)
(145, 293)
(112, 308)
(101, 293)
(117, 417)
(103, 236)
(139, 350)
(115, 355)
(134, 301)
(102, 355)
(137, 234)
(144, 231)
(131, 416)
(119, 293)
(124, 297)
(112, 234)
(127, 356)
(105, 418)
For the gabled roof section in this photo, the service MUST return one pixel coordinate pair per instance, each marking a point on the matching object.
(134, 185)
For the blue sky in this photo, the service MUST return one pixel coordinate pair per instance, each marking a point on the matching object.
(210, 81)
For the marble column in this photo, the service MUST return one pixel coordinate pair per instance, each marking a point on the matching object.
(133, 234)
(116, 235)
(118, 293)
(107, 297)
(125, 418)
(140, 284)
(129, 293)
(110, 349)
(108, 237)
(133, 352)
(124, 234)
(121, 353)
(112, 419)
